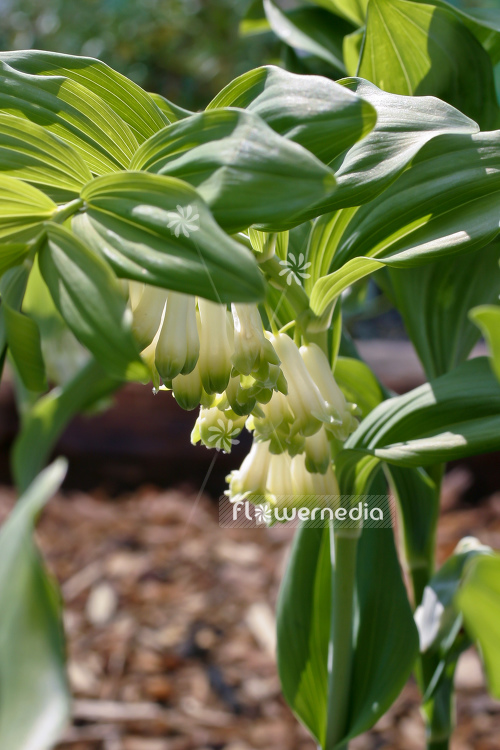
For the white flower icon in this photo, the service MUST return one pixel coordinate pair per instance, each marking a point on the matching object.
(223, 435)
(294, 267)
(263, 514)
(183, 220)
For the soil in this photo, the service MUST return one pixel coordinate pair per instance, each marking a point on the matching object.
(170, 625)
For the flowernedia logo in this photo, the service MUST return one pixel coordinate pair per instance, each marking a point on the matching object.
(372, 511)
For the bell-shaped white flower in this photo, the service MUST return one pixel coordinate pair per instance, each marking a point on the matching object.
(147, 315)
(217, 429)
(251, 478)
(317, 452)
(250, 344)
(304, 398)
(187, 389)
(314, 488)
(215, 346)
(279, 480)
(316, 362)
(178, 344)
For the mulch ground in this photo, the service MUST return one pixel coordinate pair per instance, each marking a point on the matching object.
(170, 626)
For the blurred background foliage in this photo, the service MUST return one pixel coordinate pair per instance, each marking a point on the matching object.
(186, 50)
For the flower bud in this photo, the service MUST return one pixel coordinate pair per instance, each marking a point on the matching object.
(215, 349)
(178, 345)
(343, 423)
(314, 488)
(251, 477)
(217, 429)
(304, 398)
(146, 317)
(187, 389)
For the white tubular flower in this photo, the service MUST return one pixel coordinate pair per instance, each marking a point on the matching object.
(251, 477)
(187, 389)
(250, 344)
(135, 291)
(215, 348)
(319, 368)
(304, 398)
(313, 485)
(279, 480)
(275, 412)
(318, 452)
(178, 345)
(217, 429)
(147, 315)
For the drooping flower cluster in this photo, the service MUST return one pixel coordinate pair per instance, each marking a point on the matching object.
(242, 375)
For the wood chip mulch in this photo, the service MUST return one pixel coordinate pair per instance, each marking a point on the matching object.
(170, 626)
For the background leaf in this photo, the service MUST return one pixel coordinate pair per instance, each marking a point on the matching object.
(23, 208)
(34, 705)
(23, 340)
(487, 317)
(415, 48)
(135, 221)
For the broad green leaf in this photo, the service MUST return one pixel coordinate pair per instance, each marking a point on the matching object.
(434, 301)
(446, 203)
(404, 125)
(68, 109)
(35, 703)
(383, 657)
(454, 416)
(44, 423)
(351, 48)
(358, 383)
(417, 494)
(159, 230)
(171, 112)
(352, 10)
(312, 30)
(23, 209)
(12, 289)
(483, 22)
(23, 340)
(487, 317)
(479, 602)
(415, 48)
(130, 103)
(33, 154)
(247, 173)
(89, 298)
(303, 622)
(311, 110)
(12, 254)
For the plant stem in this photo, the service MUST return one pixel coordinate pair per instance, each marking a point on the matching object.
(343, 543)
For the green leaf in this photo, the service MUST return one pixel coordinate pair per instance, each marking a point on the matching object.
(312, 30)
(484, 23)
(171, 112)
(303, 622)
(358, 383)
(454, 416)
(434, 301)
(135, 220)
(479, 601)
(246, 172)
(23, 340)
(23, 208)
(35, 155)
(311, 110)
(404, 125)
(446, 203)
(414, 48)
(45, 421)
(487, 317)
(89, 298)
(35, 703)
(125, 98)
(11, 255)
(352, 10)
(68, 109)
(383, 657)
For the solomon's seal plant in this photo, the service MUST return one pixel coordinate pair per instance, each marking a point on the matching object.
(207, 254)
